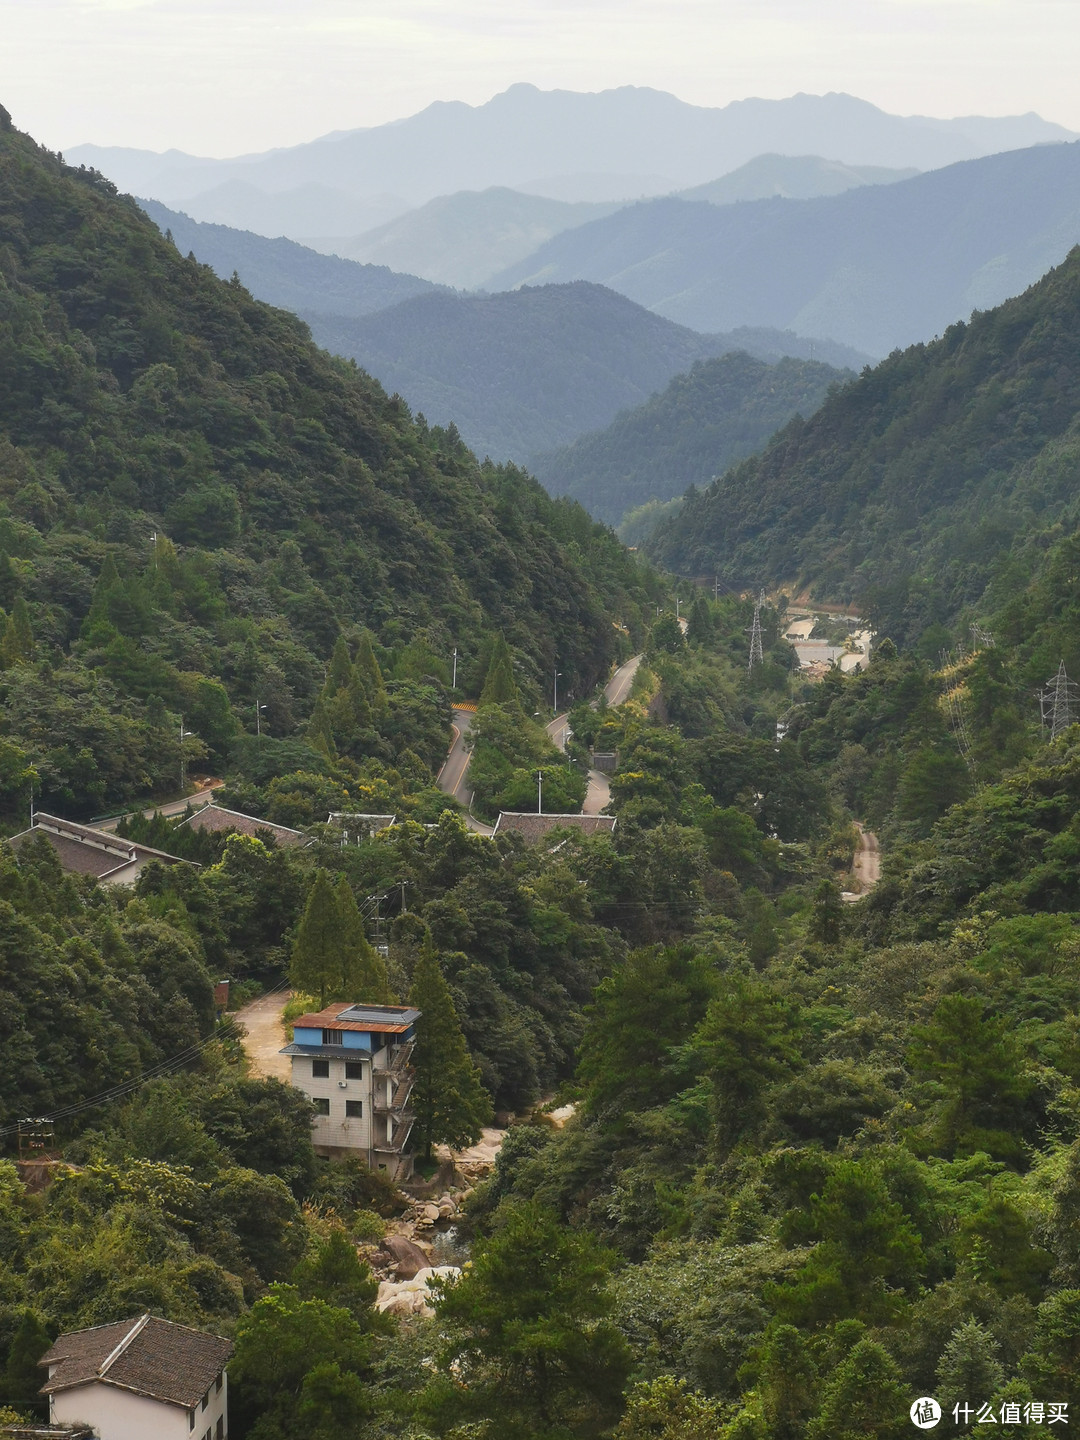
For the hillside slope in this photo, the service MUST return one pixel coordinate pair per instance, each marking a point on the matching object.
(704, 421)
(195, 503)
(920, 482)
(791, 177)
(876, 267)
(283, 273)
(523, 372)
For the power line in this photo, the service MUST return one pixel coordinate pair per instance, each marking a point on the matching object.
(756, 656)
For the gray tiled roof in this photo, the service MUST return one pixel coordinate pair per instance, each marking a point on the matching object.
(152, 1357)
(533, 827)
(217, 818)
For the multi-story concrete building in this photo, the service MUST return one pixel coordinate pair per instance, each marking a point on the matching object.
(352, 1062)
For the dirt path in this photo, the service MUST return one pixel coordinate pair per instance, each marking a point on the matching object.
(265, 1036)
(865, 865)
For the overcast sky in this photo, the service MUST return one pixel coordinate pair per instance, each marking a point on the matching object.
(221, 77)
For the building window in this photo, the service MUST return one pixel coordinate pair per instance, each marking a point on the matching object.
(354, 1070)
(206, 1400)
(217, 1385)
(322, 1107)
(332, 1037)
(220, 1431)
(354, 1109)
(191, 1420)
(320, 1069)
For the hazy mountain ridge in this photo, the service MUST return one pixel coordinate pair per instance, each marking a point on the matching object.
(723, 410)
(876, 267)
(524, 135)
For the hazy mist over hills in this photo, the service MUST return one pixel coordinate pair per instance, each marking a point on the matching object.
(630, 141)
(876, 267)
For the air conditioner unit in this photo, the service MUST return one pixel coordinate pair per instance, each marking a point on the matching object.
(342, 1084)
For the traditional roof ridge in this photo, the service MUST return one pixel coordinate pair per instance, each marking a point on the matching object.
(241, 815)
(136, 1329)
(106, 840)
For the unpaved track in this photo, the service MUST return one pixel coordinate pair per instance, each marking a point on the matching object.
(265, 1036)
(865, 864)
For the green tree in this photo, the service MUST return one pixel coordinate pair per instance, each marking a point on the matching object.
(315, 961)
(667, 1409)
(22, 1374)
(969, 1369)
(827, 914)
(17, 644)
(973, 1080)
(451, 1105)
(363, 970)
(333, 1272)
(864, 1399)
(284, 1346)
(500, 687)
(528, 1345)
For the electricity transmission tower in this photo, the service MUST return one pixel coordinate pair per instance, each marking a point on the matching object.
(756, 656)
(1058, 702)
(957, 723)
(982, 637)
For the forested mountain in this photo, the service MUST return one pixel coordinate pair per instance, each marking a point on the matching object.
(937, 474)
(197, 504)
(877, 267)
(285, 274)
(521, 372)
(615, 145)
(723, 410)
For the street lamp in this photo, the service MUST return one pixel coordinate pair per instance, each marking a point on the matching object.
(259, 708)
(555, 691)
(539, 792)
(184, 735)
(453, 683)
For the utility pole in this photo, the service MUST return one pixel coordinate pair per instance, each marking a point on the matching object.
(716, 588)
(453, 683)
(982, 637)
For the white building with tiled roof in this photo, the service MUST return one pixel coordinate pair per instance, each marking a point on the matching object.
(352, 1062)
(141, 1379)
(82, 850)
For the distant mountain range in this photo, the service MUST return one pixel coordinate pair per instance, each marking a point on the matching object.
(722, 411)
(527, 371)
(465, 239)
(876, 267)
(286, 274)
(615, 145)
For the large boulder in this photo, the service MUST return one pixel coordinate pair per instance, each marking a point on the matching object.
(404, 1257)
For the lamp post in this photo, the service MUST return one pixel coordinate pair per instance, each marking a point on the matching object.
(184, 735)
(555, 691)
(259, 708)
(453, 683)
(539, 792)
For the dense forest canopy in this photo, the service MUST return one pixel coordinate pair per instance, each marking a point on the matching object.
(196, 503)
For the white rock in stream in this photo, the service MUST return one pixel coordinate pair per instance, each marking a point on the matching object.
(411, 1297)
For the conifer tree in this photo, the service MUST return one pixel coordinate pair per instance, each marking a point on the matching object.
(98, 625)
(340, 670)
(22, 1377)
(17, 645)
(9, 581)
(451, 1105)
(500, 687)
(315, 963)
(367, 668)
(363, 969)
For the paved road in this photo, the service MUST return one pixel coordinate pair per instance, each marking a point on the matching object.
(452, 776)
(865, 865)
(265, 1036)
(171, 807)
(618, 687)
